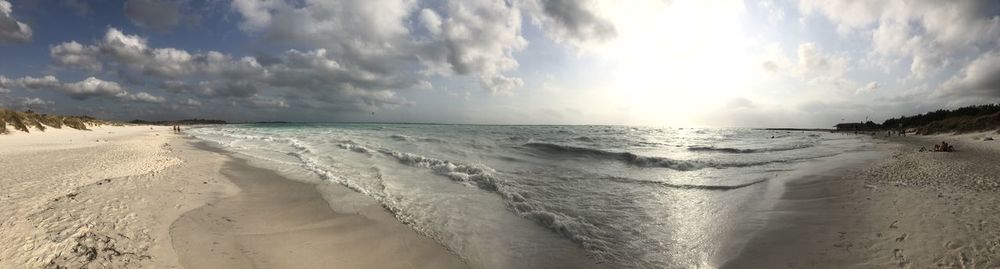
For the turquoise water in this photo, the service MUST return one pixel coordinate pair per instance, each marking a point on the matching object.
(543, 196)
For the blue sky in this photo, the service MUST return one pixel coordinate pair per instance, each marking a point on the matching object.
(805, 63)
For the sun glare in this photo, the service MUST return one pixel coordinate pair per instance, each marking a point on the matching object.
(676, 57)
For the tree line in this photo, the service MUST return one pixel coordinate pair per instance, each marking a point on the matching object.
(942, 114)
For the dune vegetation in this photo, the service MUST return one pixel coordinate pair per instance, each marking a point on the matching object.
(968, 119)
(26, 121)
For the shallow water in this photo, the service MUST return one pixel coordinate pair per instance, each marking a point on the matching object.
(545, 196)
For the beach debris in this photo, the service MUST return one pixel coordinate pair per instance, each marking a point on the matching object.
(988, 138)
(893, 225)
(93, 250)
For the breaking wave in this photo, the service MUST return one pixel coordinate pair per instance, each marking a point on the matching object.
(627, 157)
(738, 150)
(689, 186)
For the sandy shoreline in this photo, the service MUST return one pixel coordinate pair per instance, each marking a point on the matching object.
(119, 197)
(129, 197)
(279, 223)
(906, 209)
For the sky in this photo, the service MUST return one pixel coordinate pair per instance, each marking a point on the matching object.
(681, 63)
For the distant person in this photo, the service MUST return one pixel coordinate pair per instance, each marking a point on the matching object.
(944, 147)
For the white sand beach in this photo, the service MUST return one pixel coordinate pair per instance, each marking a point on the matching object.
(144, 197)
(906, 209)
(107, 198)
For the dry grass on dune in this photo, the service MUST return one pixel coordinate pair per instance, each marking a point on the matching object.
(27, 120)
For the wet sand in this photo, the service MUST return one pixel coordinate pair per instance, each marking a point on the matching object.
(275, 222)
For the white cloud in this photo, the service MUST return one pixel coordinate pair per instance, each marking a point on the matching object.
(431, 21)
(34, 102)
(192, 102)
(12, 30)
(818, 67)
(33, 83)
(812, 60)
(133, 54)
(93, 87)
(474, 38)
(128, 49)
(849, 15)
(929, 33)
(80, 90)
(479, 38)
(311, 76)
(868, 88)
(267, 102)
(5, 84)
(500, 84)
(169, 62)
(74, 54)
(145, 97)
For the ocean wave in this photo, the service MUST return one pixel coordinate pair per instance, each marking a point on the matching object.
(738, 150)
(399, 137)
(432, 140)
(354, 147)
(688, 186)
(627, 157)
(726, 150)
(479, 175)
(517, 138)
(653, 162)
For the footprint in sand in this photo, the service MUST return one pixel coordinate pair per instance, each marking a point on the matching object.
(952, 245)
(901, 238)
(897, 255)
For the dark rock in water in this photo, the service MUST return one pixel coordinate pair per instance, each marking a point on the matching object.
(988, 139)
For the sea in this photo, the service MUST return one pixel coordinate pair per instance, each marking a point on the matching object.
(508, 196)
